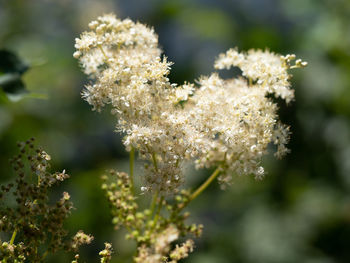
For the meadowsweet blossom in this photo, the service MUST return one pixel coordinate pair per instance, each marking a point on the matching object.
(160, 251)
(235, 118)
(123, 60)
(266, 68)
(182, 251)
(233, 125)
(226, 123)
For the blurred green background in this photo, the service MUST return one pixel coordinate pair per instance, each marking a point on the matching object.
(299, 213)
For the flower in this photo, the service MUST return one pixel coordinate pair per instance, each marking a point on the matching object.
(226, 123)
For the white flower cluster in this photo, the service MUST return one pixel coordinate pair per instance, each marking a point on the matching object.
(267, 69)
(160, 251)
(225, 123)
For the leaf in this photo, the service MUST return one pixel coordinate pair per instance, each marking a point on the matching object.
(11, 70)
(12, 84)
(3, 97)
(11, 63)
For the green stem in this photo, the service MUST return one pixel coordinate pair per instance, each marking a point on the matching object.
(131, 163)
(158, 211)
(45, 254)
(103, 53)
(202, 187)
(154, 159)
(154, 202)
(13, 237)
(155, 196)
(250, 82)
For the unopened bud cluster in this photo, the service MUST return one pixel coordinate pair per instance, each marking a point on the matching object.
(106, 254)
(155, 232)
(33, 223)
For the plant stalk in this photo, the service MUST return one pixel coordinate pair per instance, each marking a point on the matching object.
(158, 210)
(154, 159)
(131, 163)
(202, 187)
(154, 202)
(13, 237)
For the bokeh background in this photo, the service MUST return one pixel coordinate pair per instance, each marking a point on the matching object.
(299, 213)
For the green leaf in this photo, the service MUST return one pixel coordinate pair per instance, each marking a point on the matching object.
(3, 97)
(12, 85)
(11, 70)
(11, 63)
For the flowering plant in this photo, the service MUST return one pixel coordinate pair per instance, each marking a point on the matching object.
(224, 124)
